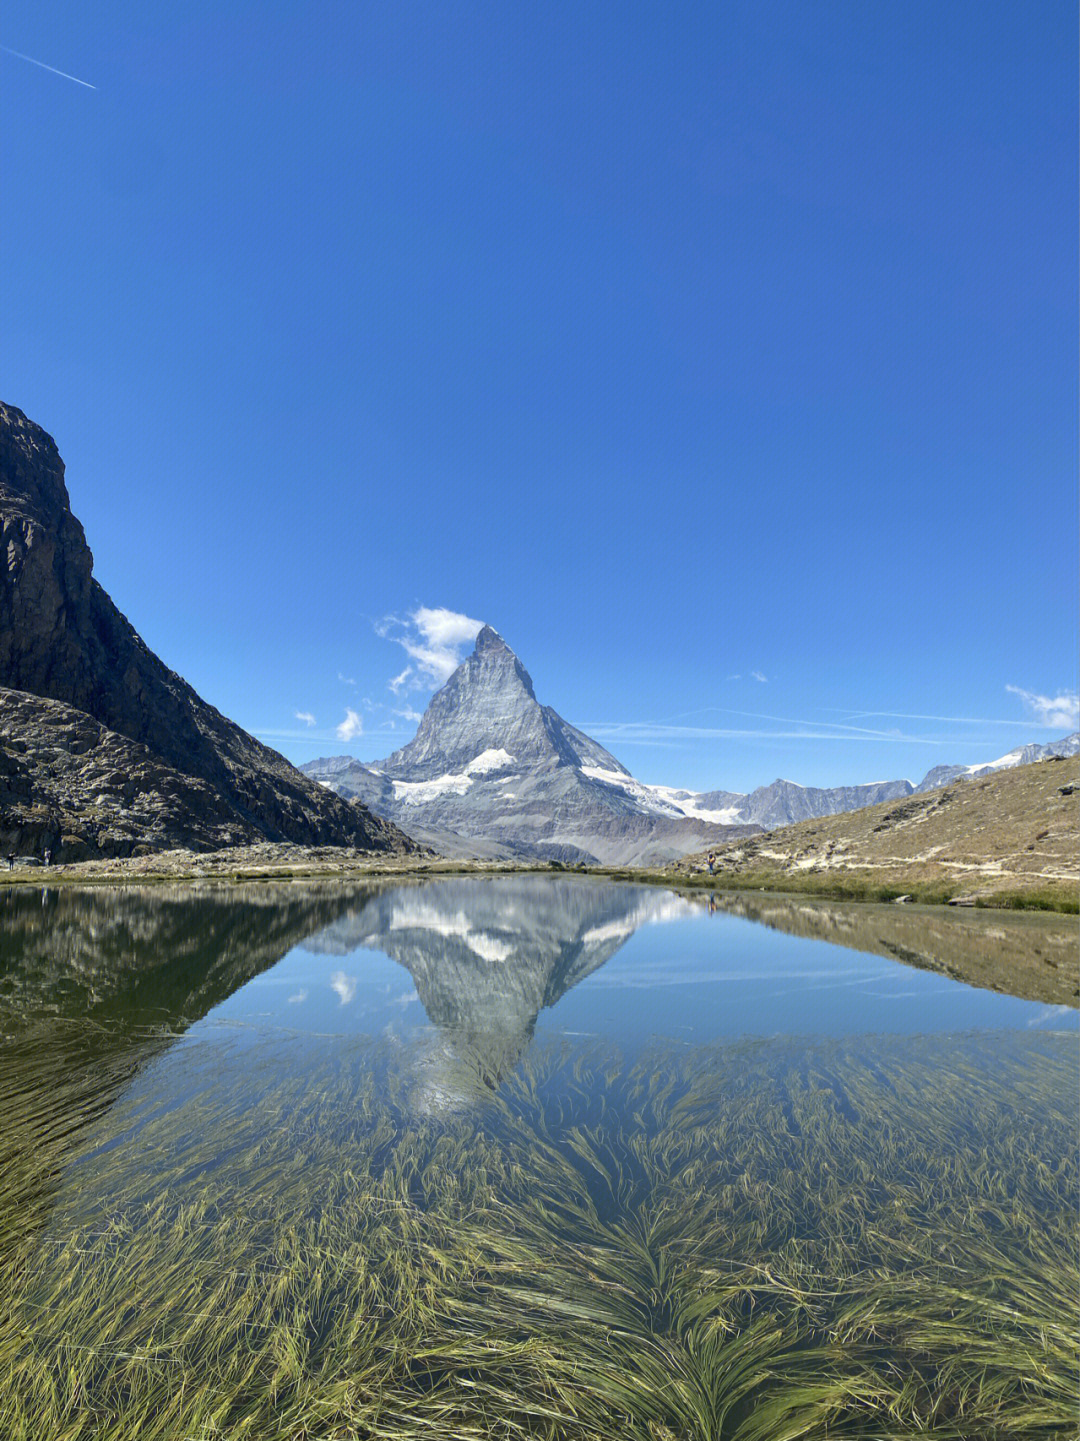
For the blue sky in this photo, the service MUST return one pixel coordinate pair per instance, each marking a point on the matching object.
(683, 344)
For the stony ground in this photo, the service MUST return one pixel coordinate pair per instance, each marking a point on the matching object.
(992, 839)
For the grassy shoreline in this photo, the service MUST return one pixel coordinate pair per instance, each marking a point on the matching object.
(852, 885)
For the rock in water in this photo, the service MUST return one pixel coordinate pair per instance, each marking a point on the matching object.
(63, 640)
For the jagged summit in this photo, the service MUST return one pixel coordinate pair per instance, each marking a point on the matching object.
(489, 639)
(492, 765)
(488, 708)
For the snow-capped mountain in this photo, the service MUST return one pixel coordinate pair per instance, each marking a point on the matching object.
(490, 766)
(1021, 756)
(491, 771)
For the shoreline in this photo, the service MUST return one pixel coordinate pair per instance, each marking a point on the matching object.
(1025, 947)
(287, 863)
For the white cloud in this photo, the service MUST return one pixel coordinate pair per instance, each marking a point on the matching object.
(343, 986)
(346, 679)
(1060, 712)
(409, 714)
(350, 727)
(435, 640)
(758, 676)
(399, 680)
(300, 997)
(306, 717)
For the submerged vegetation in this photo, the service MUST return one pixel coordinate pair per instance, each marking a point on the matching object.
(268, 1235)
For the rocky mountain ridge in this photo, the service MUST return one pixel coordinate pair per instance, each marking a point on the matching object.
(1021, 756)
(492, 772)
(490, 765)
(83, 698)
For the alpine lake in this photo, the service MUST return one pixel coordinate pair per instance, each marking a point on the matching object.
(530, 1156)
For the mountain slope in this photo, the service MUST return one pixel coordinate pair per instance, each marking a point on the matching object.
(490, 763)
(62, 639)
(1021, 756)
(488, 707)
(1011, 832)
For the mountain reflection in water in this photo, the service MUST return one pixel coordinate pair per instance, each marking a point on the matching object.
(486, 958)
(107, 977)
(282, 1158)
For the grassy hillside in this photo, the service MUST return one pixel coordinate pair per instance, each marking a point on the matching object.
(1006, 839)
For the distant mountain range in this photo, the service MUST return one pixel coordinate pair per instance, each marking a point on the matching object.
(491, 771)
(103, 749)
(1021, 756)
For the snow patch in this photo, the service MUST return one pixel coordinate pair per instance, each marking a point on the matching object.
(660, 908)
(643, 794)
(418, 915)
(1005, 762)
(418, 793)
(613, 931)
(489, 760)
(669, 801)
(488, 947)
(689, 803)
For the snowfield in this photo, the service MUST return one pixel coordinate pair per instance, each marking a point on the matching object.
(668, 801)
(418, 793)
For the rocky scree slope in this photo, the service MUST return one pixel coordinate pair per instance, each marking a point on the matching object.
(1014, 830)
(490, 763)
(63, 640)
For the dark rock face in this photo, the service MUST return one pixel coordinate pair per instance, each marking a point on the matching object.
(61, 638)
(69, 785)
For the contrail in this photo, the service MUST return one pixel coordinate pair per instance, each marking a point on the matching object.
(51, 68)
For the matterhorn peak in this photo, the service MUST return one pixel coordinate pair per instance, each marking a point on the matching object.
(489, 639)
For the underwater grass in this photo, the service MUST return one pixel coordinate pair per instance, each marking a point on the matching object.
(761, 1240)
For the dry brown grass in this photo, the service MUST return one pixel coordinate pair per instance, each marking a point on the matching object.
(1005, 839)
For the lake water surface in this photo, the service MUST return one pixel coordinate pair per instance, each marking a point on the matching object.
(529, 1156)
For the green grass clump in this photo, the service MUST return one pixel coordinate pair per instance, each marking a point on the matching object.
(283, 1238)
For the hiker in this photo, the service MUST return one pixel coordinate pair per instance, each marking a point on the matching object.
(48, 856)
(11, 860)
(711, 858)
